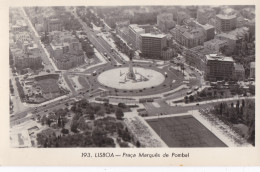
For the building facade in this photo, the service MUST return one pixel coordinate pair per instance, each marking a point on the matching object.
(134, 35)
(189, 36)
(66, 50)
(204, 15)
(225, 23)
(152, 45)
(52, 24)
(239, 72)
(165, 22)
(219, 67)
(215, 45)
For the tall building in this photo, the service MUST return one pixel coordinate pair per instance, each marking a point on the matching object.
(24, 60)
(225, 23)
(215, 45)
(19, 26)
(219, 67)
(152, 45)
(181, 17)
(208, 29)
(196, 56)
(134, 35)
(52, 24)
(189, 36)
(192, 10)
(66, 50)
(233, 38)
(165, 21)
(204, 15)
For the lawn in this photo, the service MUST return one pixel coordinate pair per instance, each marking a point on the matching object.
(184, 131)
(83, 82)
(49, 85)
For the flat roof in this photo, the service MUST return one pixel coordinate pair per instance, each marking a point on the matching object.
(252, 65)
(153, 35)
(223, 16)
(219, 58)
(239, 67)
(136, 28)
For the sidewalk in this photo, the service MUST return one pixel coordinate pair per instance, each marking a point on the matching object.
(219, 130)
(39, 42)
(214, 101)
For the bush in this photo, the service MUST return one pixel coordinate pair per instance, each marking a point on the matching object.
(121, 105)
(100, 113)
(138, 144)
(74, 127)
(65, 131)
(123, 144)
(119, 114)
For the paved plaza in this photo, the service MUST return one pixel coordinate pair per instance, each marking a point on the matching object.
(117, 78)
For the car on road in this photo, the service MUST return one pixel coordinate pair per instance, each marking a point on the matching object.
(189, 92)
(94, 73)
(196, 88)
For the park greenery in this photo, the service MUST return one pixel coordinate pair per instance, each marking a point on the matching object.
(241, 112)
(88, 126)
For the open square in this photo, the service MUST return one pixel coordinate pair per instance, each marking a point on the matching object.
(184, 131)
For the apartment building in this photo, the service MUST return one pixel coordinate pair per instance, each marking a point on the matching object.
(219, 67)
(152, 45)
(225, 23)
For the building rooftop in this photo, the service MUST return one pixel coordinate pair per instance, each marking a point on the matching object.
(252, 65)
(219, 58)
(193, 33)
(136, 28)
(165, 16)
(206, 9)
(215, 41)
(226, 35)
(202, 50)
(239, 67)
(226, 17)
(239, 32)
(153, 35)
(206, 26)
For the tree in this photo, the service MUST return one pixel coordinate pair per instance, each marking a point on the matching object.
(221, 109)
(191, 97)
(237, 106)
(91, 116)
(243, 103)
(138, 144)
(100, 113)
(65, 131)
(186, 99)
(49, 122)
(119, 113)
(74, 127)
(121, 105)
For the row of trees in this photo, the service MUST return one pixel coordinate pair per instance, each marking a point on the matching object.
(122, 46)
(20, 89)
(86, 139)
(240, 112)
